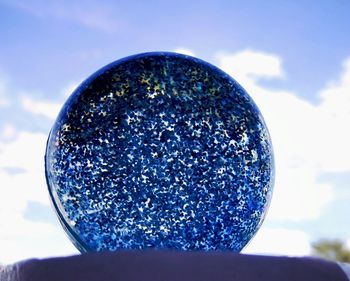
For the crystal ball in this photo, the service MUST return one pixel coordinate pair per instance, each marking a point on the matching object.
(160, 150)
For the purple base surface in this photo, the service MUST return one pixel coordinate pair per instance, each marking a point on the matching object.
(171, 266)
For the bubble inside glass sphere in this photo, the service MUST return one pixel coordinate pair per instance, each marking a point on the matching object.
(160, 150)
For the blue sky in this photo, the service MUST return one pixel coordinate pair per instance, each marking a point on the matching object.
(293, 57)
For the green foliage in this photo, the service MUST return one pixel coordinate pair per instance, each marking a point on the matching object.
(331, 249)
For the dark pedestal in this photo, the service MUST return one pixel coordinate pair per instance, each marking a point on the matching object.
(171, 266)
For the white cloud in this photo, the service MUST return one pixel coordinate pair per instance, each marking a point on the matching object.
(22, 178)
(23, 151)
(347, 243)
(334, 120)
(21, 238)
(8, 132)
(249, 65)
(279, 241)
(308, 139)
(297, 195)
(26, 152)
(293, 126)
(44, 108)
(184, 51)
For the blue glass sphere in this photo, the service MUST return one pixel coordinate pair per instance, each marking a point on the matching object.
(160, 150)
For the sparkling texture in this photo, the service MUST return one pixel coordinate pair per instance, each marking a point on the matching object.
(160, 150)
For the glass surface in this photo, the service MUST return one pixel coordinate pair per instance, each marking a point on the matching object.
(160, 150)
